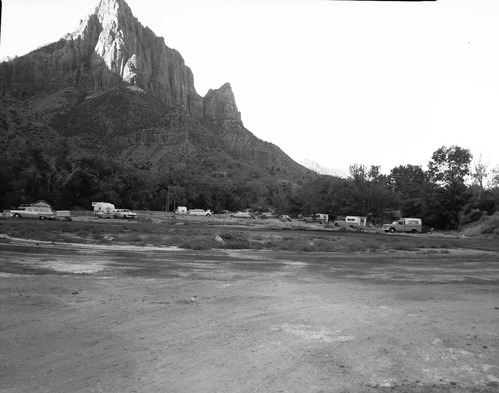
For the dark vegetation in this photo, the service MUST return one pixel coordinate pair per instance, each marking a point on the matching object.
(447, 195)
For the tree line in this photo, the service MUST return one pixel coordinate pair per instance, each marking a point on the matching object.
(453, 190)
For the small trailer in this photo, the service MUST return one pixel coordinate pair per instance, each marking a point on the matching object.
(181, 210)
(63, 215)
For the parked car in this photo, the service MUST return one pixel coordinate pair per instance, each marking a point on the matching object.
(41, 210)
(285, 217)
(124, 213)
(200, 212)
(319, 218)
(267, 215)
(242, 215)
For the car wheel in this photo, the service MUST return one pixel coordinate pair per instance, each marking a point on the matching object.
(17, 215)
(392, 230)
(42, 217)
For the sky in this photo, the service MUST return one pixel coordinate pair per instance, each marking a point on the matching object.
(337, 82)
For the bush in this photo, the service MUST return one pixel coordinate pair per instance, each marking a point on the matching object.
(200, 244)
(487, 225)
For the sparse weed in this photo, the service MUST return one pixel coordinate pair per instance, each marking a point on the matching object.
(199, 244)
(362, 246)
(237, 244)
(405, 247)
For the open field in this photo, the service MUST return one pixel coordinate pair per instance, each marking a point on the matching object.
(161, 305)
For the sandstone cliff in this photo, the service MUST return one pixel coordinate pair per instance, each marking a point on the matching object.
(112, 87)
(220, 104)
(109, 47)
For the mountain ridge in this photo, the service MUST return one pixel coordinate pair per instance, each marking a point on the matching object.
(112, 87)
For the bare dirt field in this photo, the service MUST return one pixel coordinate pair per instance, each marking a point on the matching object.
(117, 318)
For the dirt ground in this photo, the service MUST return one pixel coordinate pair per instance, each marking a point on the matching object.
(77, 318)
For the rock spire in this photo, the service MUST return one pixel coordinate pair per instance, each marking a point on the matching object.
(111, 47)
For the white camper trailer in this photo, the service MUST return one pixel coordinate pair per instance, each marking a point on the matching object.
(181, 210)
(103, 208)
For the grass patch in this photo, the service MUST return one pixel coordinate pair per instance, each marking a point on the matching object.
(405, 247)
(199, 244)
(486, 225)
(205, 237)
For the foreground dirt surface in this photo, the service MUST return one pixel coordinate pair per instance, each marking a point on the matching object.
(78, 318)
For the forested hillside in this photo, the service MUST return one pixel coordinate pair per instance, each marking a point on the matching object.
(453, 190)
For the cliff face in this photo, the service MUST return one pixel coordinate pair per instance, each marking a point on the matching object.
(109, 47)
(220, 104)
(114, 88)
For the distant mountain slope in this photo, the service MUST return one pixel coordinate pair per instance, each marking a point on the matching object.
(323, 170)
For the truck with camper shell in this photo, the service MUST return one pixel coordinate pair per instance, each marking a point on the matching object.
(351, 222)
(408, 225)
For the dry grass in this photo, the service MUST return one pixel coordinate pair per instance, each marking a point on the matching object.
(485, 226)
(204, 235)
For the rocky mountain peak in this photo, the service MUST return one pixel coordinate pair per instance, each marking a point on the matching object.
(220, 104)
(112, 9)
(109, 47)
(113, 88)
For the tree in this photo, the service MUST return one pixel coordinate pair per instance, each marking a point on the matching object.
(447, 197)
(371, 191)
(480, 174)
(360, 179)
(449, 165)
(409, 183)
(177, 193)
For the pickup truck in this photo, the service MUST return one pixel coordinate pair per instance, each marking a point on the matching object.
(409, 225)
(265, 215)
(242, 215)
